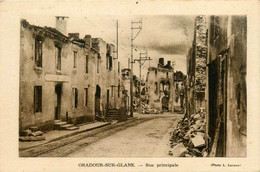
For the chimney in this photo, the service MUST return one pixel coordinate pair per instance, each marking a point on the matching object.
(88, 40)
(169, 63)
(161, 62)
(74, 35)
(61, 24)
(95, 43)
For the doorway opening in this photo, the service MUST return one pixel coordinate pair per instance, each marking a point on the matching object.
(58, 90)
(107, 99)
(97, 100)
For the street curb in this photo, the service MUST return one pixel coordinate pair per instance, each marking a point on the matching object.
(78, 132)
(67, 135)
(89, 129)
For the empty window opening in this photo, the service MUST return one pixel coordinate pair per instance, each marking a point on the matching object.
(86, 63)
(38, 52)
(37, 99)
(75, 54)
(98, 64)
(156, 87)
(86, 97)
(118, 67)
(75, 97)
(58, 57)
(110, 63)
(118, 90)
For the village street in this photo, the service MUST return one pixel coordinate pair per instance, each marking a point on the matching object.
(95, 103)
(142, 136)
(148, 139)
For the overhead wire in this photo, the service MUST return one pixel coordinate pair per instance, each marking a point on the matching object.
(102, 32)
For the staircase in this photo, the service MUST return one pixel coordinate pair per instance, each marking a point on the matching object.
(113, 114)
(59, 125)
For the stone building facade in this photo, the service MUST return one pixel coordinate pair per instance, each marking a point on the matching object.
(126, 87)
(217, 71)
(109, 77)
(61, 76)
(180, 92)
(161, 87)
(196, 67)
(226, 91)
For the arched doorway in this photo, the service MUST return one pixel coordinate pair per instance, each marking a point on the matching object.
(97, 100)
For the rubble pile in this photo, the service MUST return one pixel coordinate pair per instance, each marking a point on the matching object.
(31, 134)
(188, 138)
(146, 109)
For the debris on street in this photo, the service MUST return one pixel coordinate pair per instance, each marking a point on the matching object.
(146, 109)
(188, 139)
(31, 134)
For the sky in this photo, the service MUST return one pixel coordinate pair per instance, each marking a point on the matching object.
(167, 36)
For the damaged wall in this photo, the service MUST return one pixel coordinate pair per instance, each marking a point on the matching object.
(80, 66)
(160, 80)
(107, 78)
(180, 92)
(228, 54)
(237, 99)
(48, 77)
(201, 53)
(196, 63)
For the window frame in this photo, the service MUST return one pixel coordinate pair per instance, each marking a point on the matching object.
(87, 63)
(86, 96)
(118, 94)
(118, 67)
(98, 64)
(37, 55)
(58, 60)
(75, 97)
(37, 99)
(156, 88)
(112, 91)
(75, 59)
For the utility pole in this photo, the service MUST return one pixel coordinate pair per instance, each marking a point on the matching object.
(116, 40)
(141, 58)
(115, 51)
(134, 26)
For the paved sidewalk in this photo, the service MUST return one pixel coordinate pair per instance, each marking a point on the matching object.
(60, 134)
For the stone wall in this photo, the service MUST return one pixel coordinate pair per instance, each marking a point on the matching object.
(159, 76)
(201, 53)
(228, 46)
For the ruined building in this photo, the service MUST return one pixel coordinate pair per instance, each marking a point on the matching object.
(196, 67)
(126, 87)
(217, 81)
(161, 88)
(226, 91)
(180, 91)
(64, 78)
(126, 90)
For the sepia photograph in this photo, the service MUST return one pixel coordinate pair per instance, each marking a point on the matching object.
(129, 86)
(110, 88)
